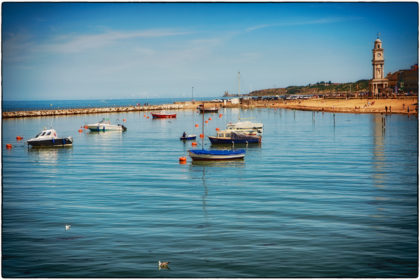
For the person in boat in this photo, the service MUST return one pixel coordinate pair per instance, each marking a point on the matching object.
(184, 135)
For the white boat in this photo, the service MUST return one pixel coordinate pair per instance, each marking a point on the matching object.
(49, 138)
(105, 125)
(246, 127)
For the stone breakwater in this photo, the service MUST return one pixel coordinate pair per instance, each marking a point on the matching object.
(63, 112)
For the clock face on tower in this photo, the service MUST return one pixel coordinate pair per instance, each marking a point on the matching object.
(379, 55)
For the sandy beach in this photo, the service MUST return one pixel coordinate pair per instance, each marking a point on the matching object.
(394, 106)
(408, 105)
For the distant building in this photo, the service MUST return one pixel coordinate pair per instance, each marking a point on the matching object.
(378, 84)
(405, 80)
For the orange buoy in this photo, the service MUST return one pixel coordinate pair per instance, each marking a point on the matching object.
(196, 125)
(148, 117)
(217, 129)
(201, 135)
(209, 118)
(206, 121)
(144, 115)
(182, 160)
(80, 130)
(19, 138)
(194, 144)
(8, 146)
(220, 115)
(86, 127)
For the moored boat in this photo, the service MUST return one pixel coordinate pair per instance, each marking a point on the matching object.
(163, 115)
(235, 137)
(208, 109)
(49, 138)
(246, 126)
(105, 125)
(186, 137)
(203, 154)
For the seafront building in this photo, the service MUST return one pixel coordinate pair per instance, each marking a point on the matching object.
(378, 84)
(405, 80)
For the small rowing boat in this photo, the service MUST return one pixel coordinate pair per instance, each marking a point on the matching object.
(217, 154)
(188, 137)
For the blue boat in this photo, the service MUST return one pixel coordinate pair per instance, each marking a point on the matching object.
(234, 137)
(216, 154)
(186, 137)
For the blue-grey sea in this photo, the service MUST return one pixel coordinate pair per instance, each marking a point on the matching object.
(324, 195)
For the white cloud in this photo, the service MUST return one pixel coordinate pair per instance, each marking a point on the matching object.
(301, 22)
(78, 43)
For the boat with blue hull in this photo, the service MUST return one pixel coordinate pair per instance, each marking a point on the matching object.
(188, 137)
(217, 154)
(235, 137)
(49, 138)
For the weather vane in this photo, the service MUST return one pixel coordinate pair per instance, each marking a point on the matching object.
(379, 34)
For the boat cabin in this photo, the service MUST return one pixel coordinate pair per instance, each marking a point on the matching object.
(46, 134)
(228, 133)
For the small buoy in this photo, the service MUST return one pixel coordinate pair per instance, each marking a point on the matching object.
(220, 115)
(210, 119)
(68, 227)
(201, 135)
(206, 121)
(80, 130)
(196, 125)
(217, 129)
(124, 120)
(194, 144)
(148, 117)
(182, 160)
(163, 265)
(8, 146)
(86, 127)
(19, 138)
(144, 115)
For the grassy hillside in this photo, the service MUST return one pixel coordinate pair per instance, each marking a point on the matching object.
(318, 88)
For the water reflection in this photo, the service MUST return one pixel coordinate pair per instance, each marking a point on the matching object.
(105, 135)
(48, 155)
(203, 178)
(379, 125)
(236, 145)
(219, 163)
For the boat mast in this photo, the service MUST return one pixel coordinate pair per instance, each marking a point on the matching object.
(202, 128)
(239, 83)
(239, 92)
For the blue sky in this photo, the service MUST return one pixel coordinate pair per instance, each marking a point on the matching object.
(152, 50)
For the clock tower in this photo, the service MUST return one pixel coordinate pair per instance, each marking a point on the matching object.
(378, 84)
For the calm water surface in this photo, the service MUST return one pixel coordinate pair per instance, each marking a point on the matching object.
(325, 195)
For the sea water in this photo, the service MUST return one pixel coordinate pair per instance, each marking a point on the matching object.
(27, 105)
(324, 195)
